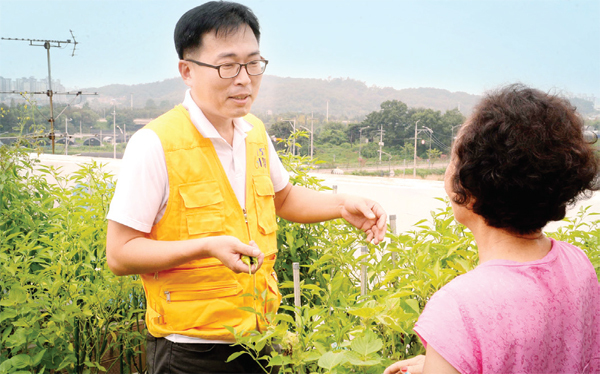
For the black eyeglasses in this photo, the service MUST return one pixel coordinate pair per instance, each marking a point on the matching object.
(232, 69)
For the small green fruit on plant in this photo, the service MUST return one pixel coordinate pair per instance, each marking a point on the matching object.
(249, 261)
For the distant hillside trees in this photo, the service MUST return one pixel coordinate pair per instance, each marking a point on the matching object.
(395, 119)
(398, 121)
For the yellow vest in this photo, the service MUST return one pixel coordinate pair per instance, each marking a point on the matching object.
(200, 297)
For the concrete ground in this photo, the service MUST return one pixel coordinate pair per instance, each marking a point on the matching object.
(411, 200)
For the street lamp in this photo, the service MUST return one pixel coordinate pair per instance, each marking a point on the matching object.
(390, 162)
(380, 142)
(452, 139)
(311, 140)
(67, 135)
(430, 133)
(415, 158)
(121, 130)
(293, 124)
(360, 141)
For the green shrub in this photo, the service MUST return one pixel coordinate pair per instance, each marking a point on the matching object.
(61, 308)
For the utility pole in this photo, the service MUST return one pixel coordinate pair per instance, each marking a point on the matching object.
(47, 44)
(66, 136)
(360, 141)
(312, 134)
(380, 142)
(415, 158)
(115, 131)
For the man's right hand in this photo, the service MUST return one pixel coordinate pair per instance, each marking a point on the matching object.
(229, 250)
(128, 251)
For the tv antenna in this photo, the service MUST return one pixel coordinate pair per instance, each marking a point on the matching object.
(47, 44)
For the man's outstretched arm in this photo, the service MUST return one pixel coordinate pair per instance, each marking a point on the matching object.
(128, 251)
(299, 204)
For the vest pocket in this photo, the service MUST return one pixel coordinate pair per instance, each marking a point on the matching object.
(210, 305)
(204, 207)
(265, 203)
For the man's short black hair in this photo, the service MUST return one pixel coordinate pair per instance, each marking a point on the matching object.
(220, 17)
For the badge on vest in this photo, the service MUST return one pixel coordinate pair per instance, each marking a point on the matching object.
(260, 160)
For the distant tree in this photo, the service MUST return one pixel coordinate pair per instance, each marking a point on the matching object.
(150, 104)
(433, 155)
(451, 121)
(280, 130)
(332, 133)
(393, 118)
(407, 151)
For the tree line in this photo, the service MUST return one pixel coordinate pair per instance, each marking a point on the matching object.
(393, 125)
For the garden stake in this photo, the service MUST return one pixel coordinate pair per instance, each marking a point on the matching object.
(363, 271)
(393, 229)
(296, 275)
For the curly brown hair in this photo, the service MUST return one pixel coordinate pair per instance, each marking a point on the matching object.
(521, 158)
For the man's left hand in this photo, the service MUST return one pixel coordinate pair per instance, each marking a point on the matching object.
(366, 215)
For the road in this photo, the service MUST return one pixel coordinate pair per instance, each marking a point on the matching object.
(411, 200)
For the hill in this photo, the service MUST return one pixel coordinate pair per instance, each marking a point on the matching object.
(347, 98)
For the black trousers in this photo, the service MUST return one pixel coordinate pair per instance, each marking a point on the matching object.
(166, 357)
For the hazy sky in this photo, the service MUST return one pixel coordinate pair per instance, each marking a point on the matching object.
(459, 45)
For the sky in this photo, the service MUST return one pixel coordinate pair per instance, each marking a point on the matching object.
(458, 45)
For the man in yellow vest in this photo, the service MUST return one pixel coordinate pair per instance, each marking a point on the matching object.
(199, 188)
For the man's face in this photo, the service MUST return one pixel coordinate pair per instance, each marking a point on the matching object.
(221, 100)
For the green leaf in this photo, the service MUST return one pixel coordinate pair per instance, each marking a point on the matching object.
(311, 356)
(284, 318)
(364, 312)
(413, 304)
(357, 360)
(20, 361)
(8, 314)
(5, 366)
(249, 309)
(367, 344)
(38, 357)
(330, 360)
(235, 355)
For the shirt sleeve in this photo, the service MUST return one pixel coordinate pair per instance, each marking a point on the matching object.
(443, 326)
(279, 176)
(142, 189)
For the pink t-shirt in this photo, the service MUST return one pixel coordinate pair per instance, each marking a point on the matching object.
(508, 317)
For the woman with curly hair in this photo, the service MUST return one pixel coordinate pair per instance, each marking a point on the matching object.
(533, 303)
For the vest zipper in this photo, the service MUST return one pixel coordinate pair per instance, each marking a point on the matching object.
(168, 295)
(247, 224)
(253, 275)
